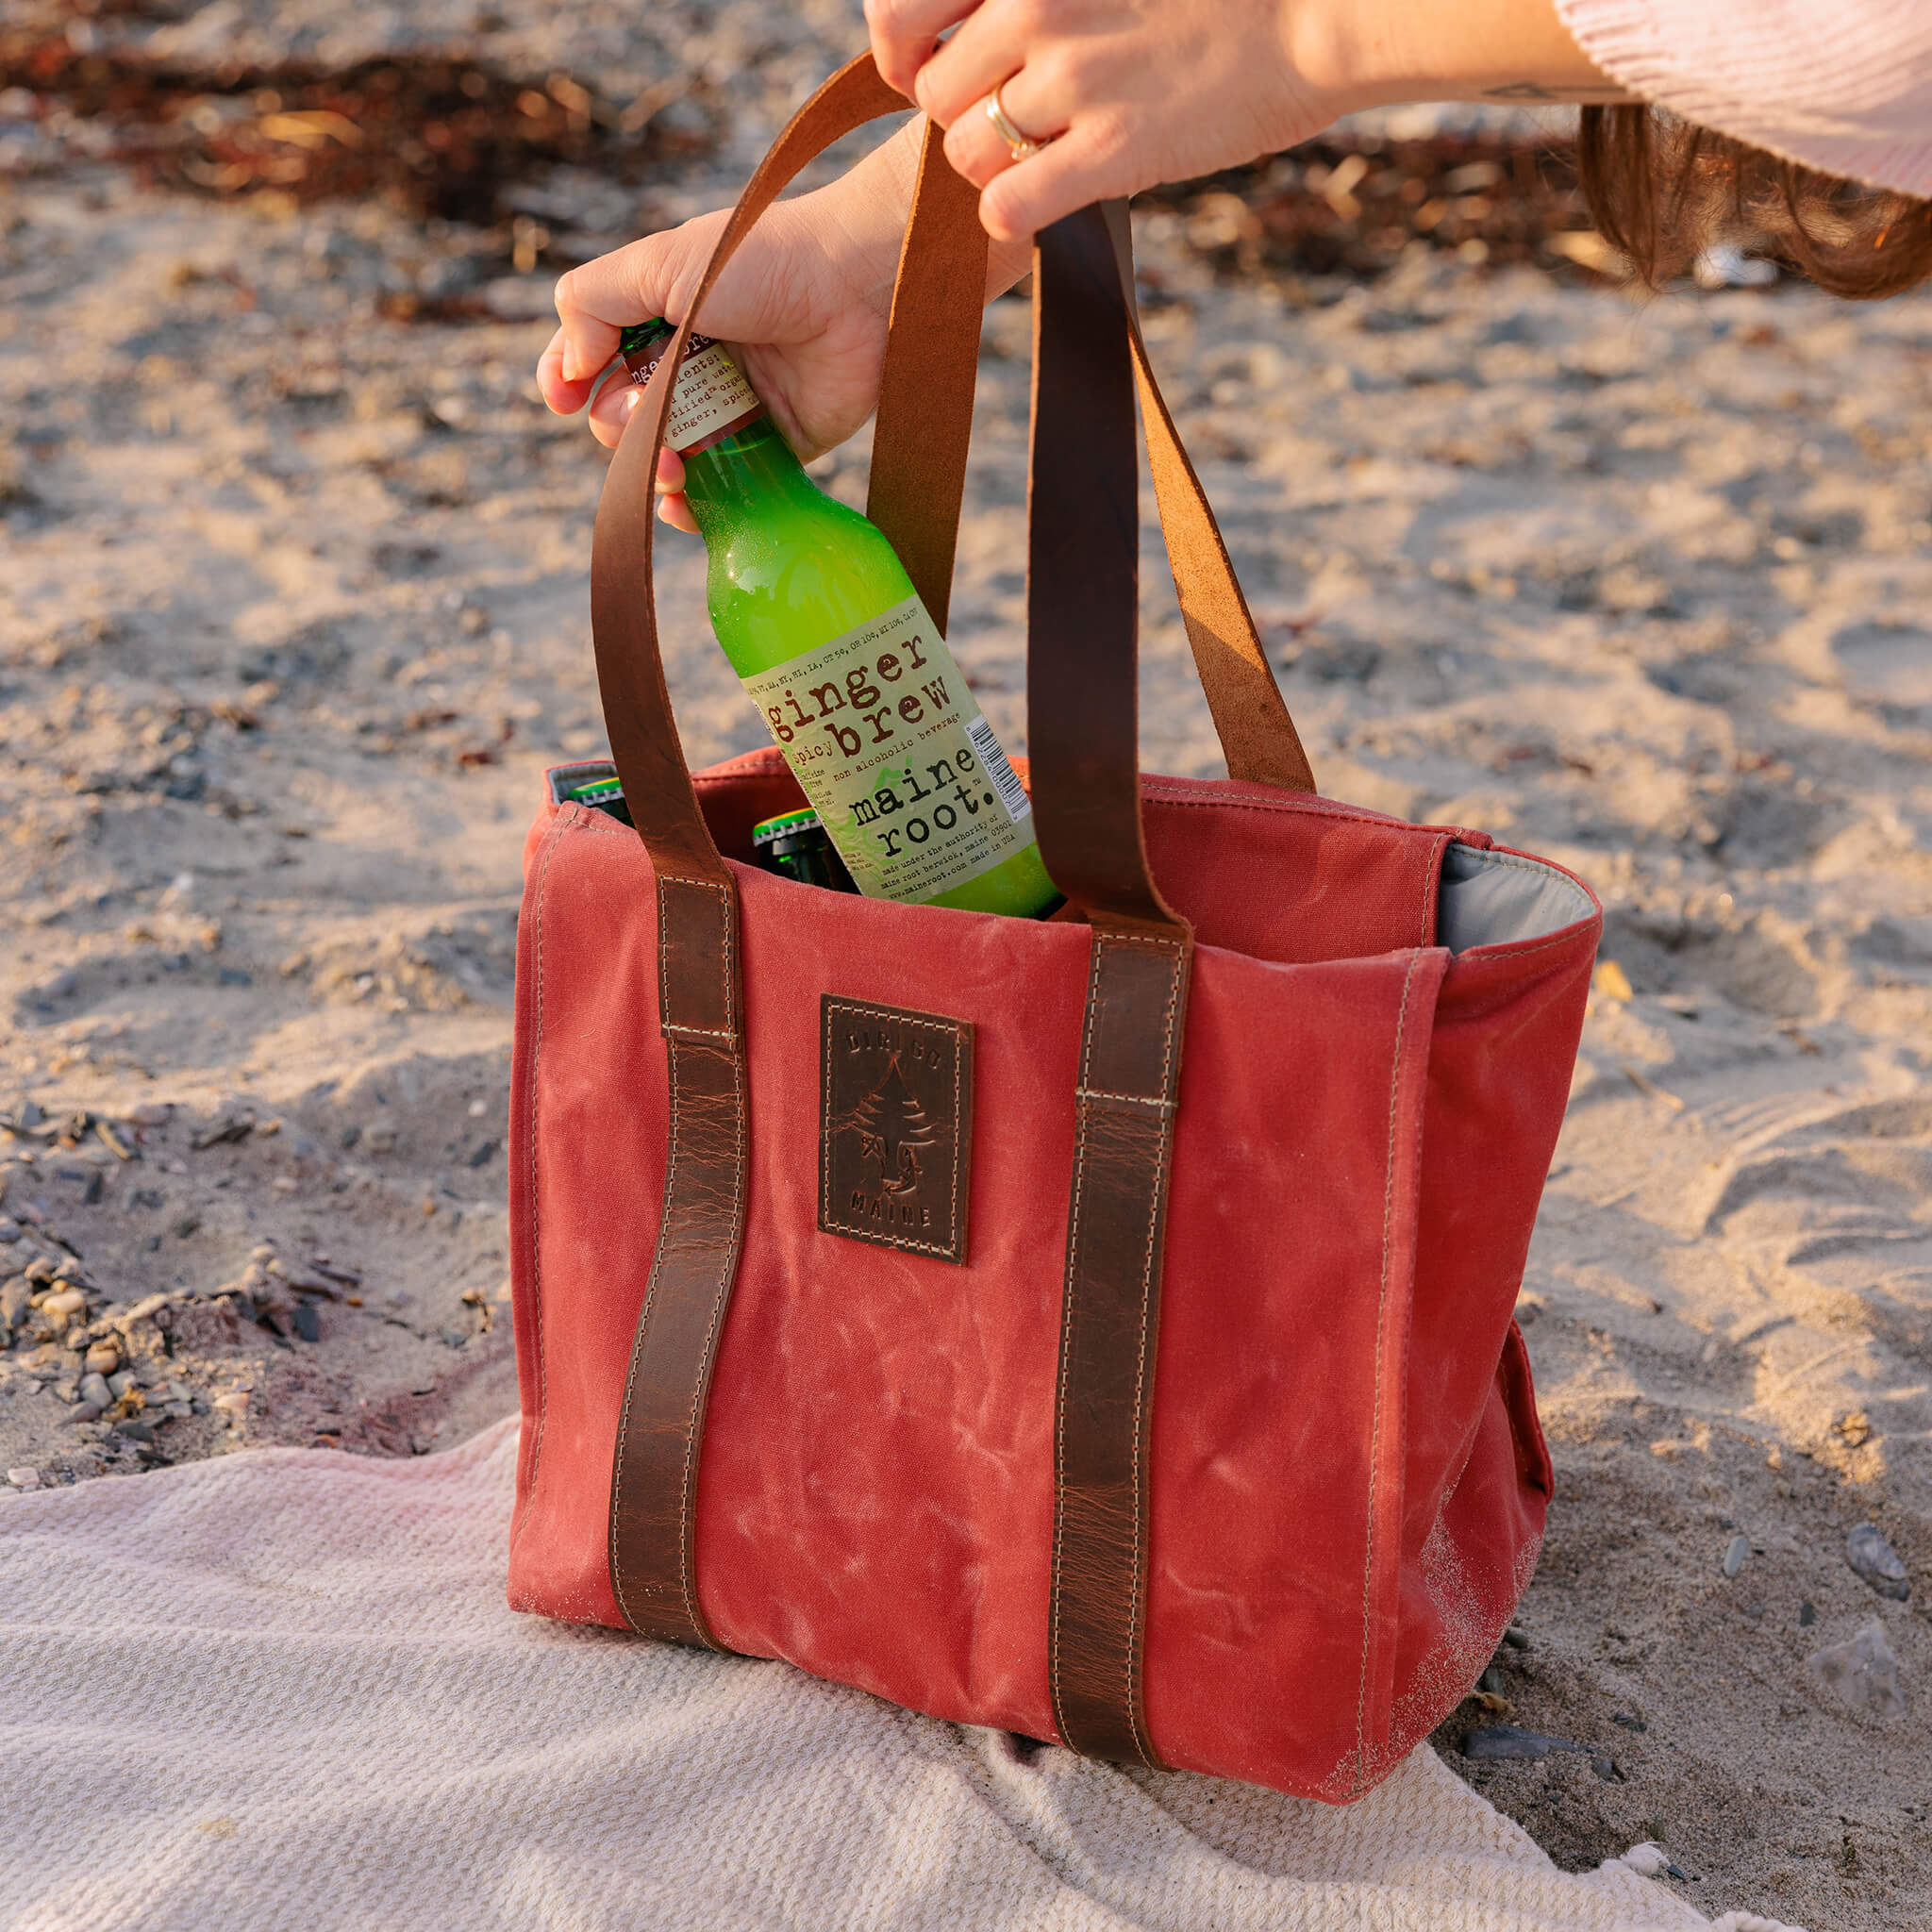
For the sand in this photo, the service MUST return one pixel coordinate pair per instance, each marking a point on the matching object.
(295, 615)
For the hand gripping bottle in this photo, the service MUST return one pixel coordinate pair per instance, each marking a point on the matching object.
(828, 637)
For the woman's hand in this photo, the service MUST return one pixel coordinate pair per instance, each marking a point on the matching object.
(805, 303)
(1125, 93)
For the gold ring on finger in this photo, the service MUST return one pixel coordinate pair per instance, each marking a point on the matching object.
(1019, 145)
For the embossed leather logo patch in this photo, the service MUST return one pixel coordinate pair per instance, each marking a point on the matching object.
(896, 1126)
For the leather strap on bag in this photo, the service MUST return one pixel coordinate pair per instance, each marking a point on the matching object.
(924, 419)
(919, 469)
(1083, 611)
(660, 1428)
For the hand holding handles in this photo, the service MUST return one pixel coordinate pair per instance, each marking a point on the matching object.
(918, 471)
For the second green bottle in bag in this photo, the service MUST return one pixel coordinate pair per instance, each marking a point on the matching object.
(849, 673)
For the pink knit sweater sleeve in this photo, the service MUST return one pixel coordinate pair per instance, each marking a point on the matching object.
(1844, 86)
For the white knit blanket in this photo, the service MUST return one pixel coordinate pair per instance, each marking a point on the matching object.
(282, 1690)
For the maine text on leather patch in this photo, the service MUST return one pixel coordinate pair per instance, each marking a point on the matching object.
(896, 1126)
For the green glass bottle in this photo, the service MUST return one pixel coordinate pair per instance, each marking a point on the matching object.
(849, 673)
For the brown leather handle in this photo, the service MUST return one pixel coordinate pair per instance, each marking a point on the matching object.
(623, 618)
(1082, 614)
(925, 423)
(1083, 573)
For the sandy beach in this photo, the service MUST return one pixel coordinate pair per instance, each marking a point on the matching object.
(295, 615)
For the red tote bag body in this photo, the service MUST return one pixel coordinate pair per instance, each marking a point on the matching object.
(1199, 1433)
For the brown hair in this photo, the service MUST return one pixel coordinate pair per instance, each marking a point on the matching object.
(1660, 189)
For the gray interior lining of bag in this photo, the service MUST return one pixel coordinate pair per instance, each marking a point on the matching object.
(566, 778)
(1489, 898)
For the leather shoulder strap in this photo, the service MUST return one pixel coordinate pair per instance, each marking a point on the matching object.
(1083, 615)
(925, 417)
(919, 469)
(660, 1428)
(1258, 736)
(655, 1468)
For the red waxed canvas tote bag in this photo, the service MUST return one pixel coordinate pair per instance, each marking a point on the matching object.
(1168, 1405)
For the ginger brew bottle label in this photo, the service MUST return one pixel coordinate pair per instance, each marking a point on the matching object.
(898, 761)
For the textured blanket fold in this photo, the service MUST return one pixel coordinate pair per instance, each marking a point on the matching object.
(282, 1690)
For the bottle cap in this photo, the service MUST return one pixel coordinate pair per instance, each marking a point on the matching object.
(642, 335)
(788, 824)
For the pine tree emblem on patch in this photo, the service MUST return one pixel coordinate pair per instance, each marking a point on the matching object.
(896, 1127)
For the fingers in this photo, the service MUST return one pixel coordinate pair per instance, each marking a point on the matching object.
(903, 33)
(613, 407)
(609, 415)
(976, 148)
(655, 276)
(673, 507)
(565, 397)
(1092, 162)
(990, 45)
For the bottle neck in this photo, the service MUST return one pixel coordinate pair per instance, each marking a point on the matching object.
(735, 464)
(741, 474)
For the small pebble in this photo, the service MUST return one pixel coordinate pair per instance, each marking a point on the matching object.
(135, 1431)
(232, 1403)
(1492, 1682)
(1516, 1639)
(1807, 1614)
(85, 1412)
(1862, 1673)
(121, 1383)
(93, 1387)
(63, 1304)
(1497, 1741)
(308, 1322)
(23, 1478)
(9, 1231)
(1877, 1562)
(104, 1358)
(1735, 1554)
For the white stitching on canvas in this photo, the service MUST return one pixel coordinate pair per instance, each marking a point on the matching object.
(1060, 1406)
(1165, 1142)
(1137, 1600)
(687, 1489)
(1375, 1434)
(1425, 927)
(1152, 1103)
(550, 845)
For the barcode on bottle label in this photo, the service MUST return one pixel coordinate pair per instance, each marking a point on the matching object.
(993, 760)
